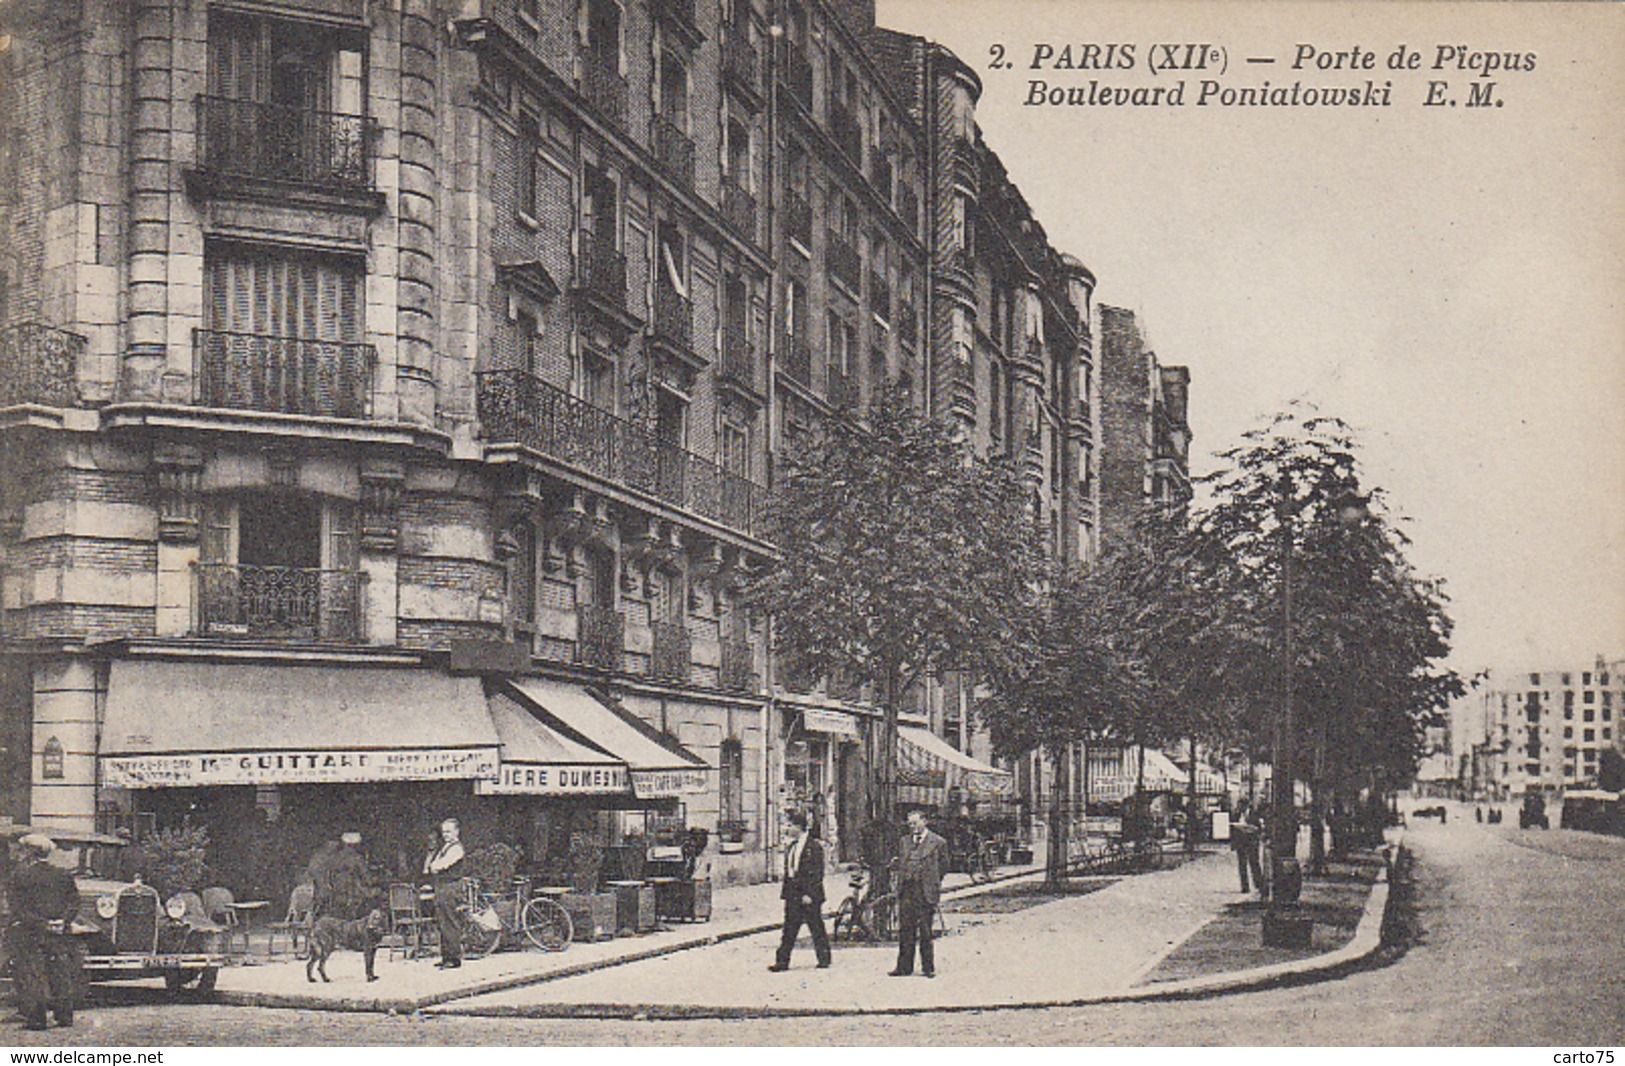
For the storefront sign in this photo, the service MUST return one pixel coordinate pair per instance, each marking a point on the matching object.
(664, 784)
(832, 722)
(520, 779)
(296, 767)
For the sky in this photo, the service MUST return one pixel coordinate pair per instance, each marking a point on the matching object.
(1448, 279)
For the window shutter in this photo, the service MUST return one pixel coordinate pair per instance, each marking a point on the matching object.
(342, 550)
(219, 536)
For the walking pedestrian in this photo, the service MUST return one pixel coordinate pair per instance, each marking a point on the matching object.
(45, 960)
(803, 894)
(1244, 842)
(444, 865)
(919, 888)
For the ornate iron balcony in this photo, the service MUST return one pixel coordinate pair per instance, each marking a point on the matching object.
(520, 408)
(844, 128)
(604, 87)
(738, 672)
(842, 260)
(279, 603)
(675, 151)
(673, 652)
(601, 637)
(674, 318)
(742, 63)
(842, 389)
(798, 220)
(39, 364)
(285, 375)
(739, 209)
(602, 270)
(798, 359)
(249, 139)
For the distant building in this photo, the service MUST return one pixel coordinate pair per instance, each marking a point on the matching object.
(1145, 438)
(1542, 728)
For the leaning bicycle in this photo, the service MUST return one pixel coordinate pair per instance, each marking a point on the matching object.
(488, 919)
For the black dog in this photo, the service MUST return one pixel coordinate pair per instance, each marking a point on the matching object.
(330, 934)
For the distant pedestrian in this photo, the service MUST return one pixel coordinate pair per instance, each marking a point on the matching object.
(45, 962)
(803, 894)
(1244, 842)
(919, 888)
(445, 866)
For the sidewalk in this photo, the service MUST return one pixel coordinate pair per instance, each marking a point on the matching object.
(406, 985)
(1063, 949)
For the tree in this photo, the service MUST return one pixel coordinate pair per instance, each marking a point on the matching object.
(1355, 673)
(900, 556)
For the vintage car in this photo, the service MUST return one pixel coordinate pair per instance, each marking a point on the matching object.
(124, 928)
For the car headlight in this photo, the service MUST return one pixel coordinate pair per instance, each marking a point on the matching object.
(176, 909)
(107, 907)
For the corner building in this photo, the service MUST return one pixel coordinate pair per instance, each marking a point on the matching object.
(389, 391)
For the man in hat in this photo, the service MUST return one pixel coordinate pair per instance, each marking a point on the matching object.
(444, 865)
(45, 961)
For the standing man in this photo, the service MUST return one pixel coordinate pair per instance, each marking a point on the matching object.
(45, 961)
(803, 894)
(919, 887)
(1244, 842)
(445, 866)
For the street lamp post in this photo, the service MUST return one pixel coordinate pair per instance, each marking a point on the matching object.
(1282, 924)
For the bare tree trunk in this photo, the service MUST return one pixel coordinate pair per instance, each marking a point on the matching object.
(886, 792)
(1190, 803)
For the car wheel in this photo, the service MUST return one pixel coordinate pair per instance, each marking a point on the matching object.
(205, 984)
(175, 982)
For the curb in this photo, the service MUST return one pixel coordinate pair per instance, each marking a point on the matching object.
(412, 1004)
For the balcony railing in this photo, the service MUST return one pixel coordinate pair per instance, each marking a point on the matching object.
(842, 388)
(879, 294)
(842, 260)
(249, 139)
(848, 135)
(739, 208)
(798, 74)
(283, 375)
(279, 603)
(673, 652)
(674, 318)
(604, 87)
(601, 637)
(517, 407)
(675, 151)
(798, 359)
(602, 270)
(739, 360)
(742, 62)
(798, 220)
(738, 672)
(39, 364)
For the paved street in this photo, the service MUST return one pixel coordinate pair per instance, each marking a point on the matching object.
(1522, 942)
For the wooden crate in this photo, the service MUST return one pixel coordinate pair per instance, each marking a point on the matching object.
(591, 913)
(634, 907)
(684, 900)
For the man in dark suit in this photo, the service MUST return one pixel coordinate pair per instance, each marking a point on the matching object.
(45, 962)
(919, 887)
(803, 894)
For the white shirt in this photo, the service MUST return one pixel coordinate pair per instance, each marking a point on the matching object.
(792, 858)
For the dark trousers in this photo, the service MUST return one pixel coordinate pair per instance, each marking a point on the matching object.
(47, 970)
(914, 913)
(796, 914)
(446, 897)
(1247, 860)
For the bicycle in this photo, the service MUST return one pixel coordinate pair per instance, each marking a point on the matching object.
(486, 919)
(871, 918)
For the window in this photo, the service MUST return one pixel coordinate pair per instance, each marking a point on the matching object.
(674, 89)
(1534, 679)
(671, 272)
(599, 206)
(1568, 732)
(671, 419)
(1590, 696)
(736, 449)
(302, 296)
(1568, 679)
(795, 309)
(521, 542)
(731, 782)
(995, 407)
(1589, 736)
(604, 34)
(598, 380)
(1591, 714)
(526, 174)
(1585, 677)
(737, 152)
(526, 343)
(598, 578)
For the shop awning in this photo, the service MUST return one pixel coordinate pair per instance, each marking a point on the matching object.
(659, 768)
(926, 760)
(185, 724)
(538, 760)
